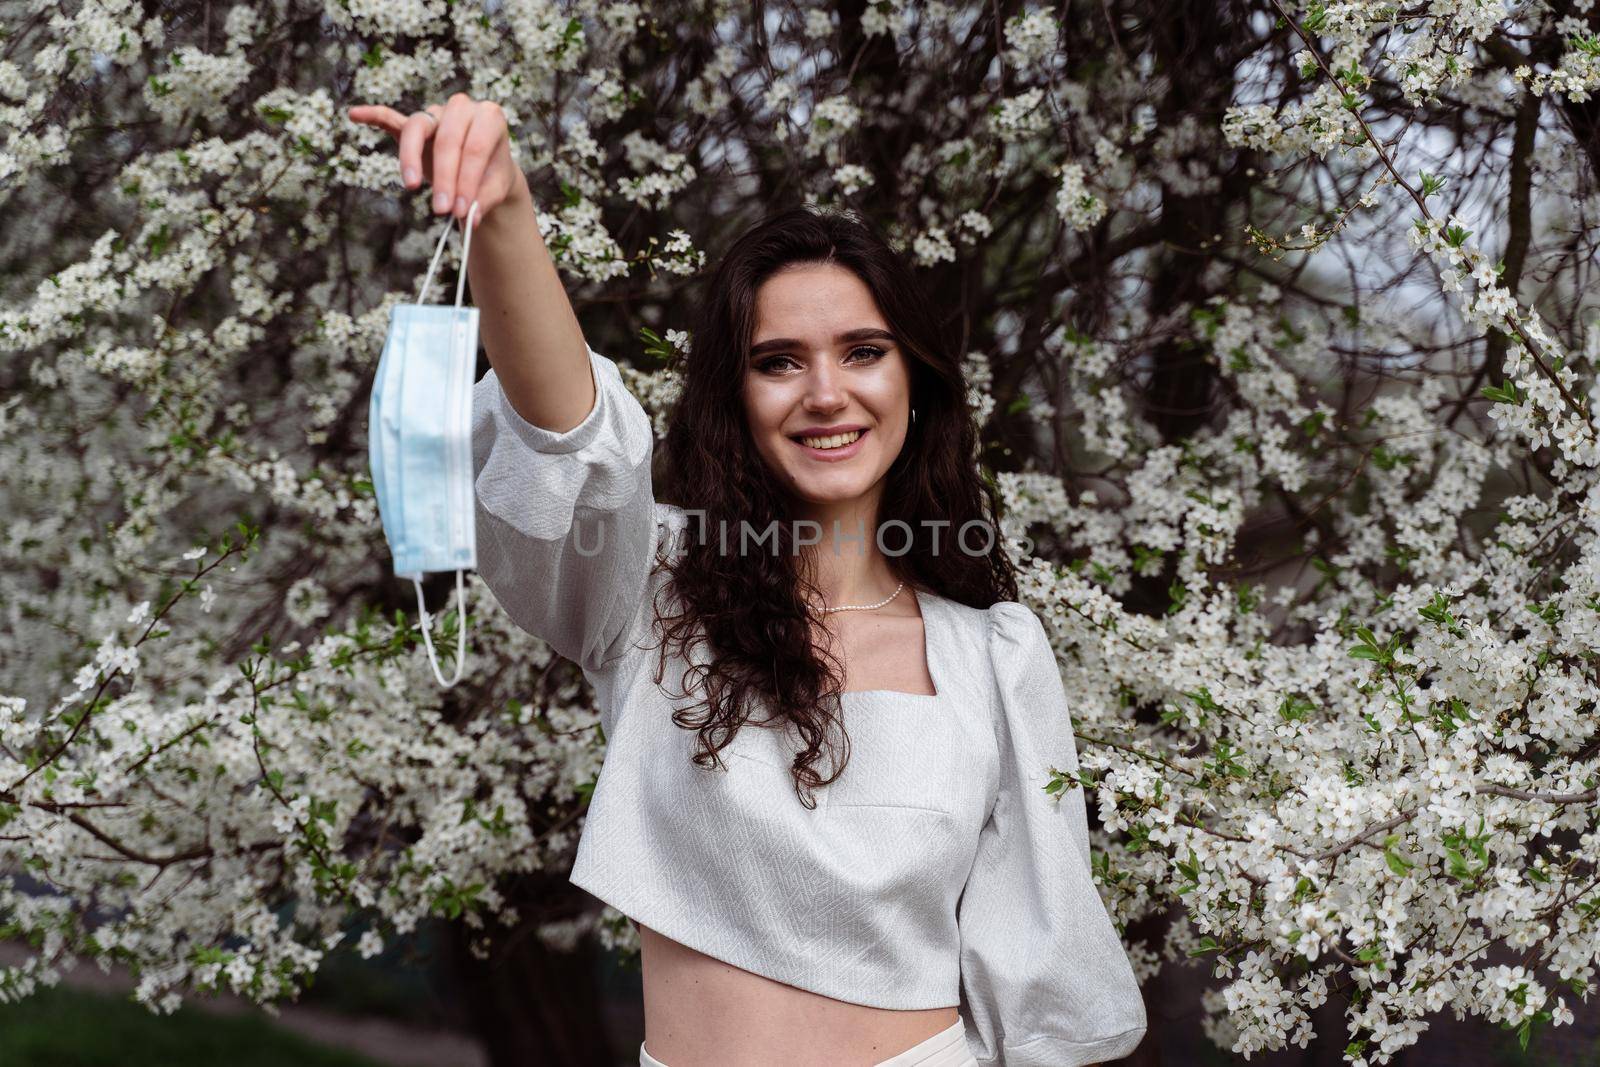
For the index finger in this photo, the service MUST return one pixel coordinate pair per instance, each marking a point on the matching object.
(377, 115)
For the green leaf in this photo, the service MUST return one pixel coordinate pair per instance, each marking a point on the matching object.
(1397, 863)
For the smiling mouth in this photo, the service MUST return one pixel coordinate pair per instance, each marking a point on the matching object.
(832, 441)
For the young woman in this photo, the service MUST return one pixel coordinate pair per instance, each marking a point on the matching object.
(826, 581)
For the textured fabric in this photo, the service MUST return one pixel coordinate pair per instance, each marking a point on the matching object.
(934, 872)
(947, 1048)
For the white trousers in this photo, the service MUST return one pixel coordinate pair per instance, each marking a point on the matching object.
(947, 1048)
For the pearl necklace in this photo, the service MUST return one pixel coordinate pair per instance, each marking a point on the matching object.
(867, 607)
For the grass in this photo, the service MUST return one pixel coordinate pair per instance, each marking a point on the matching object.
(70, 1028)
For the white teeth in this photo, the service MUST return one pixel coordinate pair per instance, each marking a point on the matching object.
(834, 441)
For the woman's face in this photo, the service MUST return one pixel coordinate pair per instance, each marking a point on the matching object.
(823, 364)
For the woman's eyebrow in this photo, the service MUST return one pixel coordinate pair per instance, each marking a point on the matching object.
(865, 333)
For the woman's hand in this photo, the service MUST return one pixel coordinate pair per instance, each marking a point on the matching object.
(464, 150)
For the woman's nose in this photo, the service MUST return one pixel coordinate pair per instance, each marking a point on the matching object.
(824, 390)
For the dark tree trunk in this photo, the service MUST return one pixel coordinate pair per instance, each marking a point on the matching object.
(529, 1004)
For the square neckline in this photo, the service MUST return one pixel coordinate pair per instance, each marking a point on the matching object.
(924, 602)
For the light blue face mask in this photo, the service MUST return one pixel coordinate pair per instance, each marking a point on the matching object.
(419, 441)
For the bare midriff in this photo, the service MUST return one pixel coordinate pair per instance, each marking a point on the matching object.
(699, 1010)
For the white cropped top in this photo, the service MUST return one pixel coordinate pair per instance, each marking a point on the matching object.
(935, 871)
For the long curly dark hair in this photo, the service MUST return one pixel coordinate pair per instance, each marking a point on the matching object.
(754, 608)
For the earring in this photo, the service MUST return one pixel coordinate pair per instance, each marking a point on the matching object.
(913, 416)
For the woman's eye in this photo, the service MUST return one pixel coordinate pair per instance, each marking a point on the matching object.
(773, 363)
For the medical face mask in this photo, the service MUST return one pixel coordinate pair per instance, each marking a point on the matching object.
(419, 442)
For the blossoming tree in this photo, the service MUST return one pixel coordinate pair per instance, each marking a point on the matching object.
(1279, 319)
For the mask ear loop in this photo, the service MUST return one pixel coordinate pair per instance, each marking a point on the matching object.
(461, 596)
(438, 251)
(461, 632)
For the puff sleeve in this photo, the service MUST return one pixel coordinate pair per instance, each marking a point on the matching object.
(1045, 981)
(566, 521)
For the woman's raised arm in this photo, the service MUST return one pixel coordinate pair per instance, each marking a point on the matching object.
(526, 323)
(561, 450)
